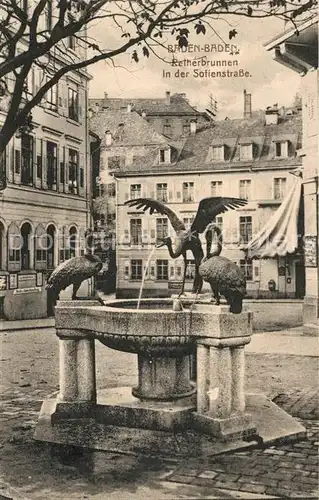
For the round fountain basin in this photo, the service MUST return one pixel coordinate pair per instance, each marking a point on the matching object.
(154, 329)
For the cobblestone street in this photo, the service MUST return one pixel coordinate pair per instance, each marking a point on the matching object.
(31, 470)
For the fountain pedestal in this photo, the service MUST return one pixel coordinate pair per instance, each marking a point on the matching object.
(165, 398)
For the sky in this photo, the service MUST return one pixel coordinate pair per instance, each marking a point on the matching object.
(269, 83)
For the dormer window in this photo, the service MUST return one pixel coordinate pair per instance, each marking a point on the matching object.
(246, 151)
(165, 155)
(281, 149)
(218, 153)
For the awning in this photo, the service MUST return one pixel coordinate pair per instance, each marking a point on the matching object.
(280, 235)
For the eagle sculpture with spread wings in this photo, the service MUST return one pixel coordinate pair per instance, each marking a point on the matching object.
(208, 209)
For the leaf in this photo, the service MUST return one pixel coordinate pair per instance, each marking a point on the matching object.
(249, 10)
(200, 28)
(146, 52)
(182, 41)
(232, 34)
(135, 56)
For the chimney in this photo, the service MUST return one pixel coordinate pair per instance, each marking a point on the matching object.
(271, 115)
(129, 108)
(108, 138)
(247, 105)
(193, 126)
(106, 95)
(168, 97)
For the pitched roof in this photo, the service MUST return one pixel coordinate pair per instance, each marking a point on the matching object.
(175, 104)
(127, 129)
(194, 154)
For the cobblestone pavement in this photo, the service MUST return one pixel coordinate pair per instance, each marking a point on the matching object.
(32, 470)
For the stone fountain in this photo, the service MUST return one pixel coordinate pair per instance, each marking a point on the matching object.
(164, 335)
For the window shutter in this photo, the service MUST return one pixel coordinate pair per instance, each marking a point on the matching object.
(17, 161)
(178, 195)
(66, 169)
(81, 181)
(170, 195)
(153, 234)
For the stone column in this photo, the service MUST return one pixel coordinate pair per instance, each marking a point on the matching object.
(68, 370)
(238, 379)
(220, 382)
(86, 370)
(202, 379)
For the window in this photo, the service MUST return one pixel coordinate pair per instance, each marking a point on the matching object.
(3, 161)
(135, 191)
(51, 164)
(73, 100)
(216, 188)
(281, 149)
(161, 192)
(186, 128)
(73, 171)
(161, 229)
(219, 222)
(25, 248)
(246, 151)
(110, 189)
(279, 188)
(52, 98)
(188, 221)
(162, 155)
(190, 271)
(136, 269)
(136, 231)
(245, 189)
(167, 129)
(72, 241)
(114, 162)
(218, 153)
(245, 229)
(246, 265)
(188, 192)
(162, 269)
(26, 159)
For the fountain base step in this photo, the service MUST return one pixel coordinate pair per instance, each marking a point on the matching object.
(119, 407)
(272, 423)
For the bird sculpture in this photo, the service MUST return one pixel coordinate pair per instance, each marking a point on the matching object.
(73, 271)
(223, 275)
(208, 209)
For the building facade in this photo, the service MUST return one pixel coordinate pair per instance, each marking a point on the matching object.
(248, 158)
(300, 54)
(171, 116)
(45, 208)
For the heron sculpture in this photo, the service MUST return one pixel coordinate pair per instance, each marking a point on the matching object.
(223, 275)
(208, 209)
(73, 271)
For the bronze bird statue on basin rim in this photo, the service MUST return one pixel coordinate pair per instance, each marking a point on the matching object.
(73, 271)
(208, 209)
(223, 275)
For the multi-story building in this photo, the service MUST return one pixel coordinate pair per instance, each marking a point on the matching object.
(44, 210)
(171, 116)
(119, 139)
(298, 50)
(249, 158)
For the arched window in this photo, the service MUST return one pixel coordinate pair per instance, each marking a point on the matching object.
(51, 247)
(14, 247)
(73, 241)
(26, 231)
(40, 247)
